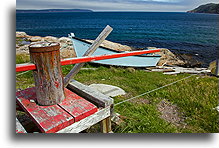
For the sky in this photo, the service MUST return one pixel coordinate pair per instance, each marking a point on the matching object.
(115, 5)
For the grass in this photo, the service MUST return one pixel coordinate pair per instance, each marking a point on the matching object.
(195, 98)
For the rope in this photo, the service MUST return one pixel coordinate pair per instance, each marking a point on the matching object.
(22, 73)
(152, 90)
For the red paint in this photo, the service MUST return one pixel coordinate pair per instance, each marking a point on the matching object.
(77, 106)
(56, 84)
(51, 119)
(28, 66)
(25, 67)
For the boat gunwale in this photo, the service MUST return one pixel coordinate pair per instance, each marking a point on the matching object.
(82, 40)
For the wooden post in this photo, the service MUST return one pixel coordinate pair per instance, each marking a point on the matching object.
(89, 52)
(105, 125)
(48, 74)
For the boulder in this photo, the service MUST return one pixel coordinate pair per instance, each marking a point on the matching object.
(212, 67)
(64, 40)
(23, 49)
(50, 39)
(67, 53)
(35, 38)
(113, 45)
(168, 58)
(21, 34)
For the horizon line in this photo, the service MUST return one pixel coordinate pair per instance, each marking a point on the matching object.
(95, 10)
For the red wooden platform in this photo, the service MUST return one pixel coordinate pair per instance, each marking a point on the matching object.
(51, 119)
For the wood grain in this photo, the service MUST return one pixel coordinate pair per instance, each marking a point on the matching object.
(48, 74)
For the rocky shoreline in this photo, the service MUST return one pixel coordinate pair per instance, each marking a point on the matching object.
(167, 57)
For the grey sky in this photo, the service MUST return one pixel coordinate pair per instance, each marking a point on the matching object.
(115, 5)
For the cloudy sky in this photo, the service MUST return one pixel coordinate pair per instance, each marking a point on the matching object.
(114, 5)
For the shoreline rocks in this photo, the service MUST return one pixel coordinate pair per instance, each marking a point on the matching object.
(67, 51)
(23, 41)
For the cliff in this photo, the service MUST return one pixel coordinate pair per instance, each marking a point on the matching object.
(207, 8)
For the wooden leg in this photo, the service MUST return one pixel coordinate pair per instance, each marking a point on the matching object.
(105, 125)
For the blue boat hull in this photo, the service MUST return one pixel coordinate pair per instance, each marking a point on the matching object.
(81, 47)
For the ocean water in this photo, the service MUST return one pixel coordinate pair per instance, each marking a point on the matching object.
(189, 33)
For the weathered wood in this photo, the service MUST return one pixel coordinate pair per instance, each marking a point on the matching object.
(19, 127)
(51, 119)
(48, 119)
(89, 52)
(87, 122)
(77, 106)
(48, 75)
(97, 98)
(105, 125)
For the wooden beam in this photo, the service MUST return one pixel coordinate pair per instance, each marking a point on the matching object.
(95, 97)
(89, 52)
(69, 61)
(87, 122)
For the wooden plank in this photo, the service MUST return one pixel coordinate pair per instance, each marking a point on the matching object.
(77, 106)
(69, 61)
(19, 127)
(25, 67)
(87, 122)
(89, 52)
(97, 98)
(49, 119)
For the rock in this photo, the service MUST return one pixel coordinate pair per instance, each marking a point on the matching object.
(66, 53)
(212, 67)
(63, 45)
(21, 34)
(113, 45)
(130, 69)
(23, 49)
(168, 58)
(65, 40)
(50, 39)
(189, 60)
(35, 39)
(108, 90)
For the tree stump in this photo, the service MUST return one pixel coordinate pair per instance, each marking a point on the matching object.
(48, 74)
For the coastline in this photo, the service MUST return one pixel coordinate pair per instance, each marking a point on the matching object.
(67, 50)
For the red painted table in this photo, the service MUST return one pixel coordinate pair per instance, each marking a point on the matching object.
(51, 119)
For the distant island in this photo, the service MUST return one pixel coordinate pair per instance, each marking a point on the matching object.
(52, 10)
(207, 8)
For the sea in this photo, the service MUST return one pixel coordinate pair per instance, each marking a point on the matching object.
(193, 34)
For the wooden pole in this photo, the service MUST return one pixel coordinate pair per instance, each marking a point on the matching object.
(89, 52)
(48, 74)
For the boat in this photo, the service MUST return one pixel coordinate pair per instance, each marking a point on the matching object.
(146, 60)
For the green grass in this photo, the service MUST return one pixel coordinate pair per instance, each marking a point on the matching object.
(22, 58)
(195, 97)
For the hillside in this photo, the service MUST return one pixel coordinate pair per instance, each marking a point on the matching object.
(53, 10)
(207, 8)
